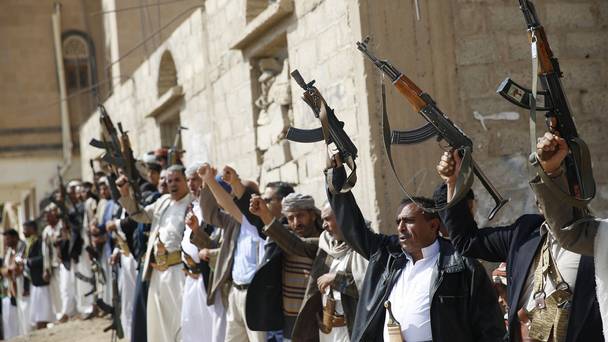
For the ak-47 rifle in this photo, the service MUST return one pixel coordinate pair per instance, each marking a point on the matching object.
(331, 131)
(438, 124)
(59, 201)
(174, 155)
(118, 154)
(115, 309)
(558, 116)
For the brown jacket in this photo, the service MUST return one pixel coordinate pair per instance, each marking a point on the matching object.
(213, 215)
(306, 327)
(579, 236)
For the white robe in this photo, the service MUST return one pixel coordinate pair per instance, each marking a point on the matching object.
(601, 272)
(67, 291)
(41, 306)
(126, 283)
(164, 304)
(51, 262)
(197, 317)
(17, 317)
(84, 304)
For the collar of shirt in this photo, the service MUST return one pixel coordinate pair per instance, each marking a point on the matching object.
(427, 252)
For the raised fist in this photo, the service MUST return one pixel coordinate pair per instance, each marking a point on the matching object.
(551, 151)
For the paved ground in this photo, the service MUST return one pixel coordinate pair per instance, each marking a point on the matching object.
(73, 331)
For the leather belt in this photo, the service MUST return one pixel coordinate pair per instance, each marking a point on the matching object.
(192, 273)
(164, 261)
(240, 287)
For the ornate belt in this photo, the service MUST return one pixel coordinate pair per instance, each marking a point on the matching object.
(166, 260)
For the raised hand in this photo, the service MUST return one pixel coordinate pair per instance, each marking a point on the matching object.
(551, 151)
(207, 173)
(449, 166)
(192, 221)
(230, 176)
(258, 207)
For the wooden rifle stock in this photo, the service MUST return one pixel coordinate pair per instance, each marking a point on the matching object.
(412, 93)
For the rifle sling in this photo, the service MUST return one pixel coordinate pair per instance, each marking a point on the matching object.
(465, 177)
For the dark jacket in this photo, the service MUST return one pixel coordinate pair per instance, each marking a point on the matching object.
(35, 264)
(517, 245)
(264, 302)
(464, 306)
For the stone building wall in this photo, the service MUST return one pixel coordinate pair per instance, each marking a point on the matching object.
(234, 95)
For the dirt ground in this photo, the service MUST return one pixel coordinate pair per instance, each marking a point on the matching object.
(72, 331)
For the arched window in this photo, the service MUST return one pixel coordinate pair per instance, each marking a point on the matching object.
(76, 62)
(167, 74)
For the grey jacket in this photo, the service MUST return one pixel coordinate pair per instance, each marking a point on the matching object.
(578, 236)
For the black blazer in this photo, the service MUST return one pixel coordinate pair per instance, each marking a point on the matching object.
(517, 245)
(35, 264)
(264, 302)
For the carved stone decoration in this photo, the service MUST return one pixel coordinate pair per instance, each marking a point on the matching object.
(273, 120)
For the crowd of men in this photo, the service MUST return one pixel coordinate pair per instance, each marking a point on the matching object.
(207, 256)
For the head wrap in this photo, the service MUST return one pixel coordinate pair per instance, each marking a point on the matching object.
(191, 170)
(296, 201)
(73, 183)
(103, 181)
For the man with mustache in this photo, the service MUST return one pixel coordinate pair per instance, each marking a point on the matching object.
(303, 219)
(436, 293)
(162, 263)
(335, 277)
(197, 316)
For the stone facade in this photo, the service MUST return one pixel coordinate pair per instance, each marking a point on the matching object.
(31, 141)
(233, 93)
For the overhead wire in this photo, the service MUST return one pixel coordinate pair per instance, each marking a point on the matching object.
(134, 7)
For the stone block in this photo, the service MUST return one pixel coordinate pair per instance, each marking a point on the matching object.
(269, 176)
(469, 20)
(593, 103)
(289, 172)
(473, 81)
(277, 155)
(507, 17)
(476, 50)
(587, 44)
(582, 74)
(568, 15)
(276, 123)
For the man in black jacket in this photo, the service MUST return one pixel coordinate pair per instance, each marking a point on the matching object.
(41, 311)
(437, 294)
(524, 245)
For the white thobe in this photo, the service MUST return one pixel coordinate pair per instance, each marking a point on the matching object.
(84, 304)
(15, 318)
(196, 315)
(410, 297)
(164, 304)
(337, 334)
(126, 283)
(67, 286)
(51, 262)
